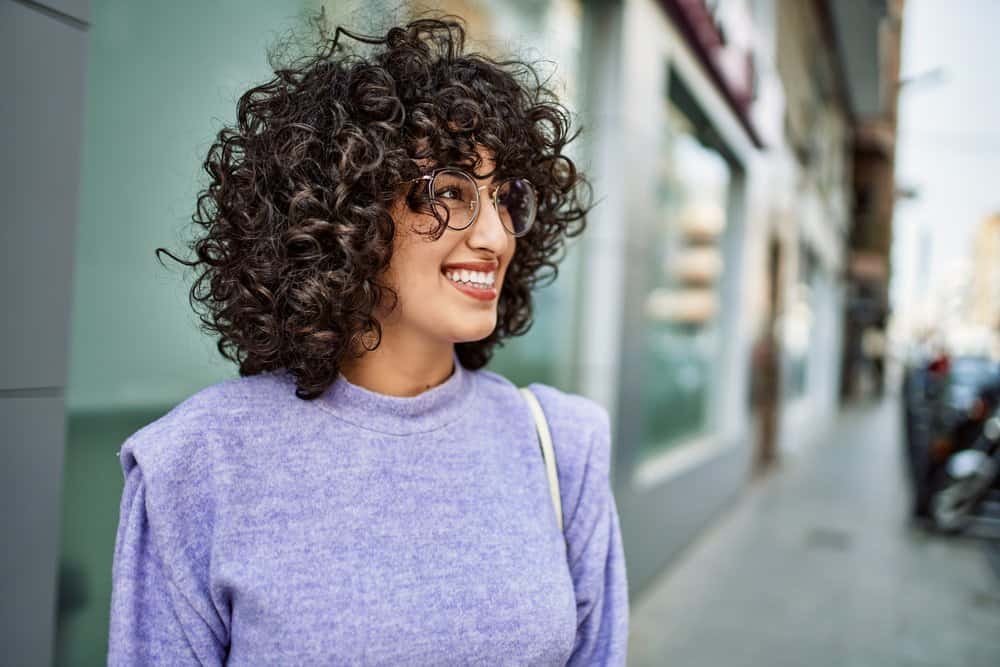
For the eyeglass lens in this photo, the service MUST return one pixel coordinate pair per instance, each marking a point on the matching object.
(456, 196)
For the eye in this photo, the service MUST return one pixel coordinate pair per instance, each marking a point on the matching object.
(449, 193)
(503, 198)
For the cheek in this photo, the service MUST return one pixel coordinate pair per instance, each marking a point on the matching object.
(416, 267)
(413, 251)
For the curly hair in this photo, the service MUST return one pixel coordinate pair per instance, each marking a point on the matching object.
(294, 228)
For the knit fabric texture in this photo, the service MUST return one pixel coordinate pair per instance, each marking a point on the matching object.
(257, 528)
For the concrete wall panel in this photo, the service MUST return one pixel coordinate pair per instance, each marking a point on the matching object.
(40, 140)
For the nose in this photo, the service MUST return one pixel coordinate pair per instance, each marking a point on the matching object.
(488, 232)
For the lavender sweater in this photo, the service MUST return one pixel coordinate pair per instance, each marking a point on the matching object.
(260, 529)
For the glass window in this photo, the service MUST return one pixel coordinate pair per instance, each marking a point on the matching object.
(681, 325)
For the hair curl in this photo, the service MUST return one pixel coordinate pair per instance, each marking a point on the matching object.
(294, 225)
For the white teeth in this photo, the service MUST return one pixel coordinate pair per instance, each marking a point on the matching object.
(478, 278)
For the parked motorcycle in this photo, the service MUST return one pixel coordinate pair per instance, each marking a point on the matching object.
(946, 401)
(968, 480)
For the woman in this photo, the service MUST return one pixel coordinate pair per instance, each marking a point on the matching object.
(365, 493)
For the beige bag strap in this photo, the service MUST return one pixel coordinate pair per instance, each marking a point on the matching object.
(548, 455)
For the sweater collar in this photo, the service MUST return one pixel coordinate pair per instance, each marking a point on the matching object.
(401, 415)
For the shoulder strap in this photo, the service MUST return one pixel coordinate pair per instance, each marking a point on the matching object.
(548, 455)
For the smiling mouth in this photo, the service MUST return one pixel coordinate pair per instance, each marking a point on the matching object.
(476, 284)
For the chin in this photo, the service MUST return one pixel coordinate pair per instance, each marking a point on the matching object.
(470, 332)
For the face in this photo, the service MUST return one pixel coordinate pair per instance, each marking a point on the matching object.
(444, 284)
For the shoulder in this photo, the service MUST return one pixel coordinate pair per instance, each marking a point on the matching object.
(185, 442)
(559, 406)
(572, 411)
(580, 427)
(581, 433)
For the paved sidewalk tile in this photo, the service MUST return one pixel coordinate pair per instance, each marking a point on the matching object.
(819, 565)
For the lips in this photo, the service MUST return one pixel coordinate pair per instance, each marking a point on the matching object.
(480, 293)
(484, 267)
(472, 288)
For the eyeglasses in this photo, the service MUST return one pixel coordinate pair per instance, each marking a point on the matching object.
(455, 193)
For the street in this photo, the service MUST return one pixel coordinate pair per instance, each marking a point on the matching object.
(818, 564)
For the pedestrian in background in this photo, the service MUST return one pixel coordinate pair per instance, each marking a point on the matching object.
(366, 492)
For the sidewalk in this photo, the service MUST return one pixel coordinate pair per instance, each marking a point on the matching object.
(818, 565)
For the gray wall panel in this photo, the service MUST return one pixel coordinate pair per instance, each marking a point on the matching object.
(40, 140)
(30, 496)
(41, 123)
(659, 522)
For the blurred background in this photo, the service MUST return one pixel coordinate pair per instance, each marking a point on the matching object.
(788, 299)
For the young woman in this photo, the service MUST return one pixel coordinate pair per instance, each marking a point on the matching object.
(365, 492)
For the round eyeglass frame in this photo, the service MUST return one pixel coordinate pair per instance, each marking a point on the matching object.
(475, 212)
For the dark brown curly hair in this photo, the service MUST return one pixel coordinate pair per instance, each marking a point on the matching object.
(294, 230)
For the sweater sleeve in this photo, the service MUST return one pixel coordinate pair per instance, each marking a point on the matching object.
(158, 615)
(597, 562)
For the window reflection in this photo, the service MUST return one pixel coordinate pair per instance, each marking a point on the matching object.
(682, 302)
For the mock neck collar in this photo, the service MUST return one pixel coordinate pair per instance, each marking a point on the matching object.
(401, 415)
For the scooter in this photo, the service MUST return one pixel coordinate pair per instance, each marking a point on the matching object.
(969, 480)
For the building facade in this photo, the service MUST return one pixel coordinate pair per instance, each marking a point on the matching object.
(985, 301)
(703, 307)
(874, 92)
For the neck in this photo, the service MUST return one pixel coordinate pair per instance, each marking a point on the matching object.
(401, 366)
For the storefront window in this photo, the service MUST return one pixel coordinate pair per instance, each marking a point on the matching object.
(681, 336)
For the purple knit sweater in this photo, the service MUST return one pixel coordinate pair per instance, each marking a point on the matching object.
(363, 529)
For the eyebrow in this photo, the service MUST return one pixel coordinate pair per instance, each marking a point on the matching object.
(496, 174)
